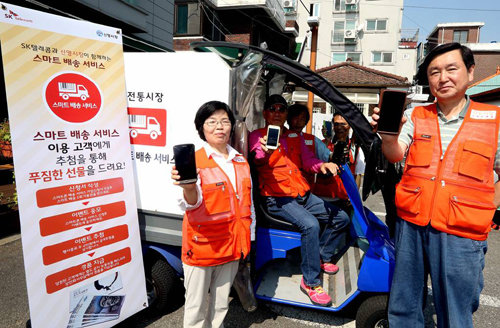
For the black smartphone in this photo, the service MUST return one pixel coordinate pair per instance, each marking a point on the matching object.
(185, 163)
(273, 136)
(392, 106)
(328, 128)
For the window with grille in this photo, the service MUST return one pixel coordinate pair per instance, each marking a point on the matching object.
(460, 36)
(339, 57)
(339, 28)
(187, 19)
(376, 24)
(381, 57)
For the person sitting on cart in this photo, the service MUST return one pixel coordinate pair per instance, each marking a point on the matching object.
(287, 195)
(343, 150)
(329, 187)
(297, 118)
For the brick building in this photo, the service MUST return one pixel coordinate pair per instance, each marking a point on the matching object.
(361, 84)
(250, 22)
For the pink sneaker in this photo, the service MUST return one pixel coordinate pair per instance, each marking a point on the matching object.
(329, 268)
(316, 294)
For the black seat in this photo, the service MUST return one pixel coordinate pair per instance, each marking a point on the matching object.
(265, 219)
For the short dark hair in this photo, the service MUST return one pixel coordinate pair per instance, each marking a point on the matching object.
(336, 114)
(297, 109)
(467, 57)
(275, 99)
(206, 110)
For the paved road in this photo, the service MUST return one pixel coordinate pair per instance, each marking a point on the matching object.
(14, 311)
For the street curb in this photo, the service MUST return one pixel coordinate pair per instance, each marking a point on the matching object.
(9, 239)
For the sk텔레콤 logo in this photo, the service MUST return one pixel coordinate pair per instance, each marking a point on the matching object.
(99, 33)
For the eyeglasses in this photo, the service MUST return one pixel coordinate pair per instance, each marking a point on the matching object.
(213, 123)
(339, 124)
(277, 107)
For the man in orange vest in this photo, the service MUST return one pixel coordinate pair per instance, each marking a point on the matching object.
(287, 195)
(446, 197)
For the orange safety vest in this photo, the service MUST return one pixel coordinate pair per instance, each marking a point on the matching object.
(218, 231)
(332, 186)
(280, 176)
(453, 192)
(294, 149)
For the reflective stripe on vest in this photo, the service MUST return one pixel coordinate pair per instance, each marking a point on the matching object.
(218, 231)
(280, 176)
(453, 192)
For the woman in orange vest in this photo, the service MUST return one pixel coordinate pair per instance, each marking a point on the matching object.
(219, 218)
(297, 118)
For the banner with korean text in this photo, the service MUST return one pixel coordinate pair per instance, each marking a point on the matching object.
(67, 108)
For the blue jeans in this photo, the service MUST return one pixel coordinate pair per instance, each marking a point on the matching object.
(455, 265)
(307, 212)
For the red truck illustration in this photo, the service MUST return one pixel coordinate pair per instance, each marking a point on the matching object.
(67, 90)
(143, 124)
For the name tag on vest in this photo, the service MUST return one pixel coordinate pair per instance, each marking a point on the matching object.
(293, 135)
(239, 159)
(483, 114)
(308, 142)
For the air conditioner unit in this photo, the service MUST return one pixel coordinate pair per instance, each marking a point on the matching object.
(351, 2)
(288, 4)
(349, 34)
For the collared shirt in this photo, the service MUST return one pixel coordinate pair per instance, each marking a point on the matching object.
(226, 165)
(448, 128)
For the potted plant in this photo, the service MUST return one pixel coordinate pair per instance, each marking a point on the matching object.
(5, 145)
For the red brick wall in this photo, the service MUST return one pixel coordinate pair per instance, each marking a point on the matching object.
(473, 35)
(183, 44)
(448, 34)
(241, 38)
(486, 64)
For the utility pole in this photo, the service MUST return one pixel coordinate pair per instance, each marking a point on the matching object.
(313, 22)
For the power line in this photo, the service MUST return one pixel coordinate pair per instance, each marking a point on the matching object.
(305, 7)
(200, 4)
(449, 8)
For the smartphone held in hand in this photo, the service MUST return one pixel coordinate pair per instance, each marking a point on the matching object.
(328, 128)
(392, 106)
(185, 163)
(273, 136)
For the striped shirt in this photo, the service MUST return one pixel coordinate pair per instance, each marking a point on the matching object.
(447, 127)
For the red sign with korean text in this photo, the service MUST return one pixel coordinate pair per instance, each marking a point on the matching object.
(80, 191)
(86, 243)
(73, 97)
(81, 272)
(82, 217)
(148, 126)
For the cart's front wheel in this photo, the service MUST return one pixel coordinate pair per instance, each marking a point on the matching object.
(160, 282)
(373, 313)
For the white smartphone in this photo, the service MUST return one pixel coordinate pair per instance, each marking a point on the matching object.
(273, 136)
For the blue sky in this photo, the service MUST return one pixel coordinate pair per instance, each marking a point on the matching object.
(487, 11)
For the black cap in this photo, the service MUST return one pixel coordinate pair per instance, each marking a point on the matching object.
(273, 100)
(441, 49)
